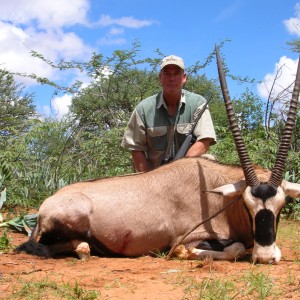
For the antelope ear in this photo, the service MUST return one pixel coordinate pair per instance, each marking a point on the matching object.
(231, 189)
(291, 189)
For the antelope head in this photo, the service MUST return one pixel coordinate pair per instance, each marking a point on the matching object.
(263, 200)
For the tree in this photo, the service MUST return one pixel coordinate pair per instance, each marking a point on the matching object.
(16, 117)
(16, 108)
(249, 112)
(294, 45)
(108, 103)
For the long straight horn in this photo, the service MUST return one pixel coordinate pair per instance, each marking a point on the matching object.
(249, 173)
(278, 170)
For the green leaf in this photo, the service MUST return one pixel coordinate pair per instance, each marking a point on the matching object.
(22, 224)
(4, 243)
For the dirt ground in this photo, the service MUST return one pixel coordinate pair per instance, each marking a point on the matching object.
(151, 278)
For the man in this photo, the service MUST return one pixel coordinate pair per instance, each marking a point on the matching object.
(159, 124)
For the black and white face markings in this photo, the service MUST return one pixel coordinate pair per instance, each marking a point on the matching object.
(264, 203)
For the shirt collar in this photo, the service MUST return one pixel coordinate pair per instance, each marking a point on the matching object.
(162, 102)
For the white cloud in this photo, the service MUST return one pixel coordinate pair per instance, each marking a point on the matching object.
(293, 24)
(59, 106)
(45, 27)
(16, 44)
(128, 22)
(45, 14)
(14, 52)
(38, 25)
(114, 36)
(283, 74)
(115, 31)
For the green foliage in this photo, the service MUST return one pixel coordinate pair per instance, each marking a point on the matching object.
(45, 289)
(291, 210)
(248, 110)
(225, 150)
(34, 172)
(110, 101)
(16, 119)
(5, 245)
(295, 45)
(16, 108)
(23, 224)
(211, 289)
(260, 285)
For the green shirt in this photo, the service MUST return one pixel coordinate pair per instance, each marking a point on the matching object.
(152, 130)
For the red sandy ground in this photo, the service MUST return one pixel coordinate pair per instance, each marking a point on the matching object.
(147, 277)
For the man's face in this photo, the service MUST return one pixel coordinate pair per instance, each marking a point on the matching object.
(172, 79)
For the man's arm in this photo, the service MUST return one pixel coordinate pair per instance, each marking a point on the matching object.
(139, 161)
(199, 147)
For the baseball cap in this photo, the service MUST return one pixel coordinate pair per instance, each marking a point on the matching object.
(172, 60)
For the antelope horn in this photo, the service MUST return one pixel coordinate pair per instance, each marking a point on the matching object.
(278, 170)
(249, 173)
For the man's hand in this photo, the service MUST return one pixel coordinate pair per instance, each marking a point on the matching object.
(139, 161)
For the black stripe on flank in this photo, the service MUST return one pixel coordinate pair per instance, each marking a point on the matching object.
(265, 234)
(216, 245)
(99, 248)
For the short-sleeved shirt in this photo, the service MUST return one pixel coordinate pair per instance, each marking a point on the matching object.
(152, 130)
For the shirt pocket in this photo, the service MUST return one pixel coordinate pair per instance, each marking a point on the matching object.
(183, 130)
(157, 138)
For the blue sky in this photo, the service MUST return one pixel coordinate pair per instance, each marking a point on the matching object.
(73, 29)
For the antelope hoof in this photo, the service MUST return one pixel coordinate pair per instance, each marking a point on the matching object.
(82, 250)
